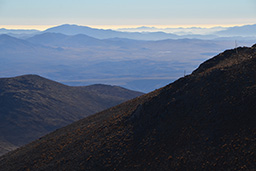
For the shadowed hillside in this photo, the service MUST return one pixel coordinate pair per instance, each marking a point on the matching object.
(31, 106)
(204, 121)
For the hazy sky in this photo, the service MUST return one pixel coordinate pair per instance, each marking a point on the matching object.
(127, 13)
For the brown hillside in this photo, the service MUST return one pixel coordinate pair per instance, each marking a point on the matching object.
(204, 121)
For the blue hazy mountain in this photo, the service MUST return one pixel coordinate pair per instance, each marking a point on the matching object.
(105, 34)
(247, 30)
(12, 43)
(243, 31)
(19, 33)
(47, 38)
(61, 40)
(150, 33)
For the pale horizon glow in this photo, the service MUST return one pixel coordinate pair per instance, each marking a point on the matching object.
(44, 27)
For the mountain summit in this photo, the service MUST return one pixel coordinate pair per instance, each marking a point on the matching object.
(203, 121)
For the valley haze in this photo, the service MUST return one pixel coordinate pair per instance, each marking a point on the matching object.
(142, 61)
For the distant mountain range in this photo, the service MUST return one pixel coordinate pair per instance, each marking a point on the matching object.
(244, 31)
(203, 121)
(18, 31)
(247, 30)
(80, 55)
(83, 60)
(178, 31)
(62, 40)
(150, 33)
(106, 34)
(32, 106)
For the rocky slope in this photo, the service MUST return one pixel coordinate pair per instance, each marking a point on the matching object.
(203, 121)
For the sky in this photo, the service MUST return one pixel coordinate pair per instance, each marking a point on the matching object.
(42, 14)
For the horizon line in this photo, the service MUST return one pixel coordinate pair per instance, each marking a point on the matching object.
(44, 27)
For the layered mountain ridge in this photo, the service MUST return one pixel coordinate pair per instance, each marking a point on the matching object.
(142, 33)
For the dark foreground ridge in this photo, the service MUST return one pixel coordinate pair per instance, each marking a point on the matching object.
(32, 106)
(204, 121)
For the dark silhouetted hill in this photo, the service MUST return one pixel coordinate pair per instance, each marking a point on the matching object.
(32, 106)
(203, 121)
